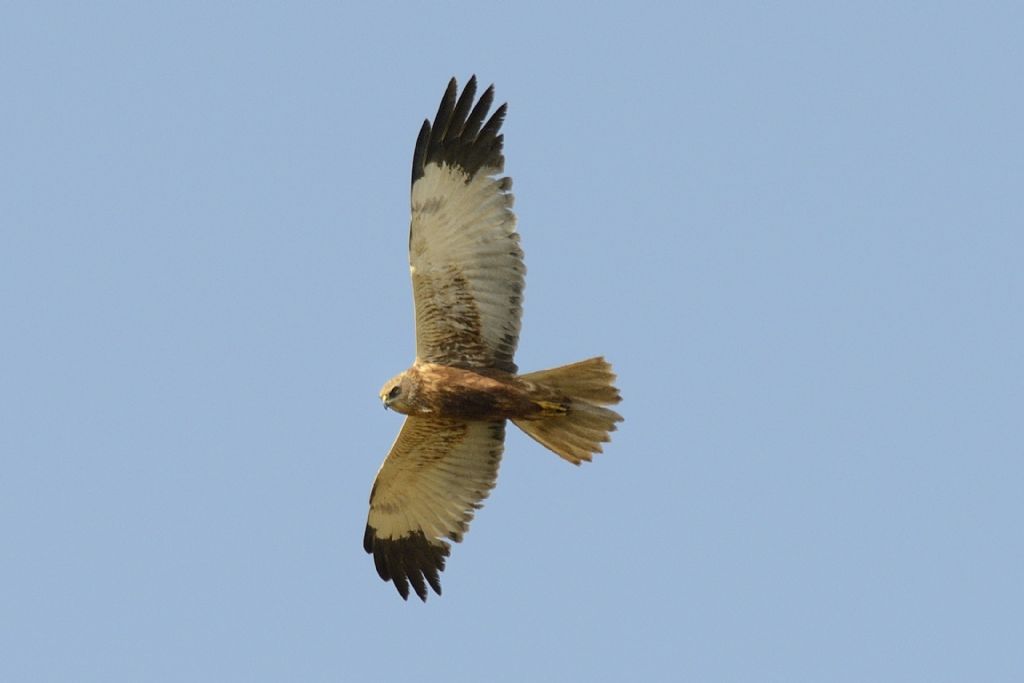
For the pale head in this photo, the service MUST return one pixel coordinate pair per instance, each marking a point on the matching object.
(399, 392)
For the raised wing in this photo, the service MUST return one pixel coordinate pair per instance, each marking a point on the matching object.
(432, 481)
(464, 256)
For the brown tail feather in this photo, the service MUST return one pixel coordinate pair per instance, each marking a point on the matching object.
(582, 423)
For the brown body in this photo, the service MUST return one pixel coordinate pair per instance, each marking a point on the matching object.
(562, 408)
(434, 390)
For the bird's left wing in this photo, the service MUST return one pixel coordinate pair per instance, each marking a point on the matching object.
(433, 479)
(467, 267)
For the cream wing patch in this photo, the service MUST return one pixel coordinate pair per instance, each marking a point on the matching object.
(467, 268)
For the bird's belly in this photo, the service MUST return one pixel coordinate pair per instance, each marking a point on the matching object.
(459, 393)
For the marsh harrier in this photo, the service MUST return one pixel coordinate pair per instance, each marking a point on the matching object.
(467, 282)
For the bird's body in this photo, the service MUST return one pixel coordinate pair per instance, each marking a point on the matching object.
(434, 390)
(467, 274)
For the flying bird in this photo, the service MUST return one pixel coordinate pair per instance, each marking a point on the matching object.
(467, 280)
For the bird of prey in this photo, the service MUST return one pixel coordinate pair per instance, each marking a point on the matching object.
(467, 281)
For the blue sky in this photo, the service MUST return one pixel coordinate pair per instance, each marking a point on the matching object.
(795, 229)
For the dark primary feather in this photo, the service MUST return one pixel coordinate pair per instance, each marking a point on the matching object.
(410, 559)
(456, 137)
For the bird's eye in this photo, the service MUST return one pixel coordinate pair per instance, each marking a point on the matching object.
(395, 391)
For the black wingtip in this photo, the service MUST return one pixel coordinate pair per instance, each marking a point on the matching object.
(408, 560)
(456, 138)
(419, 155)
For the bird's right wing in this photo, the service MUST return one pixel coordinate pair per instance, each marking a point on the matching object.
(427, 489)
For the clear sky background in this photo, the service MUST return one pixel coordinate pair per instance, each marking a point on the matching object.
(796, 230)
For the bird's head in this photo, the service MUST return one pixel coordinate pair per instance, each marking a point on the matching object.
(398, 392)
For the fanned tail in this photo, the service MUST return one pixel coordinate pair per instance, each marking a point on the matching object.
(574, 422)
